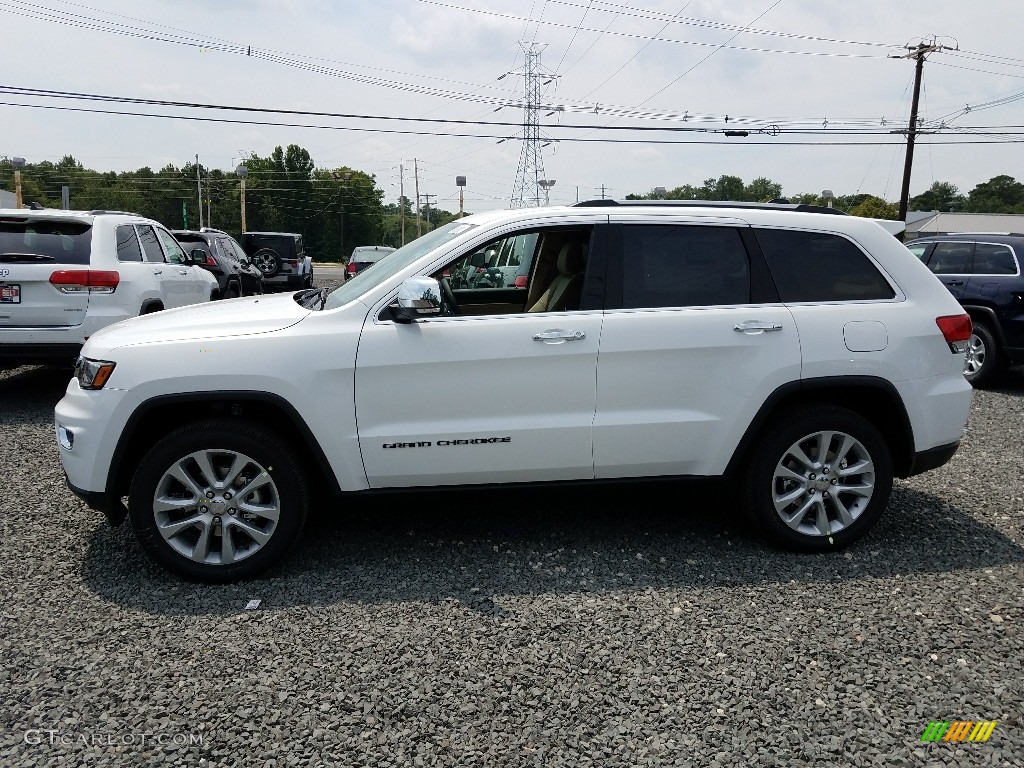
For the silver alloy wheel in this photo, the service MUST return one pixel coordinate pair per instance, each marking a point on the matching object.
(976, 353)
(216, 506)
(823, 483)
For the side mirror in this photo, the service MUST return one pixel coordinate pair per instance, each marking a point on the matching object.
(478, 259)
(418, 297)
(197, 256)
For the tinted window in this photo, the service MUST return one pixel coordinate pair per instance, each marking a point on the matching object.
(128, 248)
(951, 258)
(814, 266)
(683, 266)
(994, 259)
(150, 245)
(63, 242)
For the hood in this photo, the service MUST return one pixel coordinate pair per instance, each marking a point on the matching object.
(225, 318)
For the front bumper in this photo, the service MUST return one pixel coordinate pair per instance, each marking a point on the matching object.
(932, 458)
(114, 509)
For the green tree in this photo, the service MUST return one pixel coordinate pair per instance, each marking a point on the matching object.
(941, 196)
(876, 208)
(762, 190)
(1000, 194)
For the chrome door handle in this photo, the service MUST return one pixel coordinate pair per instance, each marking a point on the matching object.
(157, 271)
(753, 327)
(954, 282)
(182, 271)
(558, 336)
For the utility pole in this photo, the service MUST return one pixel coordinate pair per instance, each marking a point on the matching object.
(602, 188)
(416, 174)
(401, 199)
(918, 53)
(426, 206)
(209, 194)
(199, 190)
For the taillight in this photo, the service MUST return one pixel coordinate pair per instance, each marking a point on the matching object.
(351, 268)
(210, 261)
(85, 280)
(520, 281)
(956, 330)
(293, 263)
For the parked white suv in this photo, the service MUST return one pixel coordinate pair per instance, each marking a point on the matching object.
(809, 357)
(66, 274)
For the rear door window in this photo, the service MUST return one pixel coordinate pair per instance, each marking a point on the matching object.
(683, 266)
(38, 240)
(150, 244)
(994, 259)
(818, 266)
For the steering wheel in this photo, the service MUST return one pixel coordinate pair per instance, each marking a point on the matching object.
(449, 305)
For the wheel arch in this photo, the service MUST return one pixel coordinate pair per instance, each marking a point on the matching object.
(991, 320)
(875, 399)
(156, 417)
(151, 305)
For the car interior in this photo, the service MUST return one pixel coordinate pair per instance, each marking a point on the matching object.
(557, 265)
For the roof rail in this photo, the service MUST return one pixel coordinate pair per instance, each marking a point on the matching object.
(774, 205)
(114, 213)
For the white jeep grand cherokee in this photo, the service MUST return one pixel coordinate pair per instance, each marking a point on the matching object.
(811, 357)
(66, 274)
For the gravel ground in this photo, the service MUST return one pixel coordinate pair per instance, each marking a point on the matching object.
(519, 629)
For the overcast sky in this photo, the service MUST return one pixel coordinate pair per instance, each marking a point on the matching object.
(813, 81)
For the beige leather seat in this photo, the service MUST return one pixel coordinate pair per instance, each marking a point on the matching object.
(566, 288)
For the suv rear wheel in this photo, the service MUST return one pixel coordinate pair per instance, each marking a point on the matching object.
(218, 501)
(984, 358)
(820, 478)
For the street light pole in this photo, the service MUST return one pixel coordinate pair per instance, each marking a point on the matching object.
(18, 163)
(199, 191)
(460, 182)
(241, 172)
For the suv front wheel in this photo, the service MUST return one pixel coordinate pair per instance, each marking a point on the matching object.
(819, 479)
(218, 501)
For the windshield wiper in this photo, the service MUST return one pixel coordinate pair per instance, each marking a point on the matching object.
(25, 257)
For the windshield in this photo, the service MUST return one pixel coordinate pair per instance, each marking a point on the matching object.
(393, 263)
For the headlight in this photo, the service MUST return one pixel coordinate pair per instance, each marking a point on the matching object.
(93, 374)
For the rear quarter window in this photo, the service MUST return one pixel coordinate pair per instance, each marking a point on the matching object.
(816, 266)
(61, 242)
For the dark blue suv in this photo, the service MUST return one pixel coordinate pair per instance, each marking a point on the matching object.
(983, 271)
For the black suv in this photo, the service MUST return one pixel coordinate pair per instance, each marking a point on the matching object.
(983, 271)
(281, 257)
(219, 253)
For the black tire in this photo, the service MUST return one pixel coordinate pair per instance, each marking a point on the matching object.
(823, 487)
(269, 478)
(984, 360)
(233, 291)
(267, 261)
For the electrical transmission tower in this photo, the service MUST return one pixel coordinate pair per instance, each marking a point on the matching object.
(528, 189)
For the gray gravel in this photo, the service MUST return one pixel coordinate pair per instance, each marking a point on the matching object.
(519, 629)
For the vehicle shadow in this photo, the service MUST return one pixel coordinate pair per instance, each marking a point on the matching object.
(477, 548)
(31, 392)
